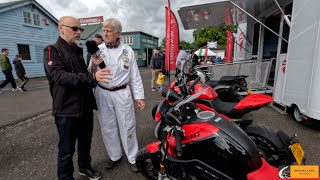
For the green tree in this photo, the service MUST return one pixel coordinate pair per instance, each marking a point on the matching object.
(204, 35)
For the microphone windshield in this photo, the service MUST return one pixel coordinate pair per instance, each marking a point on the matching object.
(92, 47)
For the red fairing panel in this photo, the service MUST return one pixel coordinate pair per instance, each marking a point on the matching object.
(265, 172)
(206, 108)
(154, 147)
(209, 94)
(253, 100)
(172, 85)
(193, 132)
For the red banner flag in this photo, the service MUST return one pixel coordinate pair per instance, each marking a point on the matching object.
(228, 21)
(172, 39)
(229, 46)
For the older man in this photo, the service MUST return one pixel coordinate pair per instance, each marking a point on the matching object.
(73, 100)
(114, 99)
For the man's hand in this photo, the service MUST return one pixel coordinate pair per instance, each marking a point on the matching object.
(140, 103)
(104, 75)
(96, 60)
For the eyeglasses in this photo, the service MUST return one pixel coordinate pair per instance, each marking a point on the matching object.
(75, 29)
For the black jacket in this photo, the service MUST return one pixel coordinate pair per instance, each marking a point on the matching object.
(70, 82)
(157, 61)
(195, 60)
(18, 66)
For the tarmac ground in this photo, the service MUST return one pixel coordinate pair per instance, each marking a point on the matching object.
(29, 137)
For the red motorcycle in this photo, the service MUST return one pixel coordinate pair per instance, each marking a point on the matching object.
(273, 144)
(200, 144)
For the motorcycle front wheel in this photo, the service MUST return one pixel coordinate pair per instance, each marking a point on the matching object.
(145, 166)
(273, 145)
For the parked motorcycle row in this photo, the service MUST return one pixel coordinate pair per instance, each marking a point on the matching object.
(202, 136)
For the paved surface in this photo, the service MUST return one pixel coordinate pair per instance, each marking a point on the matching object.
(18, 106)
(29, 149)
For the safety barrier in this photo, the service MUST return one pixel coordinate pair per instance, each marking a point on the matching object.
(258, 71)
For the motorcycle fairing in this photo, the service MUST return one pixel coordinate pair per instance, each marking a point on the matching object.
(209, 94)
(253, 100)
(153, 147)
(265, 172)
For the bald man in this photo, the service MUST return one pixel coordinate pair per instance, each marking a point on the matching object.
(73, 100)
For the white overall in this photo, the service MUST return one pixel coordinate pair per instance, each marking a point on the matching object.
(116, 108)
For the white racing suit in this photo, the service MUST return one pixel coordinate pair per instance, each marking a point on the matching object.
(116, 108)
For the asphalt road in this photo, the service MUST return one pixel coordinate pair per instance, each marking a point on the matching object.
(29, 149)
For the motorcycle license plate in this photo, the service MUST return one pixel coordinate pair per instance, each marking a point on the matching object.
(297, 152)
(249, 91)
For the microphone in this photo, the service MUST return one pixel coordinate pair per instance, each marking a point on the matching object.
(93, 49)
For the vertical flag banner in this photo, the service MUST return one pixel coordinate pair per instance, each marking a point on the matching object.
(172, 39)
(229, 44)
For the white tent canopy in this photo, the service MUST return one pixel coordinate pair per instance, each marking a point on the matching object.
(205, 52)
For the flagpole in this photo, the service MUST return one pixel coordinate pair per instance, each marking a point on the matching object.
(169, 19)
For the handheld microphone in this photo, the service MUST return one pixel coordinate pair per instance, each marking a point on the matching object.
(93, 49)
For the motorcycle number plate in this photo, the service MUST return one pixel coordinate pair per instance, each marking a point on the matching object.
(297, 152)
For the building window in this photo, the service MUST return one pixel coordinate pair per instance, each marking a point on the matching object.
(127, 39)
(36, 19)
(27, 17)
(24, 51)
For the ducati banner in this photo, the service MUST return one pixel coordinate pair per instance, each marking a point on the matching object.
(172, 39)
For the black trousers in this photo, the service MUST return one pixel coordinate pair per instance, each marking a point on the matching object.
(9, 78)
(70, 130)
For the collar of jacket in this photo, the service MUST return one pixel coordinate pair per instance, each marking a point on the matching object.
(64, 44)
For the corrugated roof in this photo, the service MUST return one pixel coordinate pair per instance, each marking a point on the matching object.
(89, 30)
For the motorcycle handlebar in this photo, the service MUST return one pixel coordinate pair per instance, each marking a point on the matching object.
(178, 134)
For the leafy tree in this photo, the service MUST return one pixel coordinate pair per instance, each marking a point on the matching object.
(204, 35)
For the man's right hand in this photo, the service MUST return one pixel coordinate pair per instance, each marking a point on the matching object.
(104, 75)
(96, 60)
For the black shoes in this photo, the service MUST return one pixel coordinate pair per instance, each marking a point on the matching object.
(133, 167)
(111, 164)
(90, 173)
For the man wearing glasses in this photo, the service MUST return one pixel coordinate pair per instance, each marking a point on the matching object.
(73, 100)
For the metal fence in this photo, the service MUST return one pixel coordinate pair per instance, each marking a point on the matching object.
(258, 71)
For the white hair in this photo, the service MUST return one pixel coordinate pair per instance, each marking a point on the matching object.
(112, 22)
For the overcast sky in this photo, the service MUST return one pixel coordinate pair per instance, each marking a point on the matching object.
(136, 15)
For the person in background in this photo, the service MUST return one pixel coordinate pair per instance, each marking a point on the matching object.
(20, 71)
(195, 58)
(182, 56)
(218, 60)
(157, 65)
(114, 99)
(7, 70)
(73, 100)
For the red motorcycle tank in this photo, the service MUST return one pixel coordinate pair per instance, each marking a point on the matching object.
(209, 94)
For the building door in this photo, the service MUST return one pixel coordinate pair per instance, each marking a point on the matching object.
(149, 53)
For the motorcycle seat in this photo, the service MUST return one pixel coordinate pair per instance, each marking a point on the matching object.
(212, 83)
(253, 101)
(225, 108)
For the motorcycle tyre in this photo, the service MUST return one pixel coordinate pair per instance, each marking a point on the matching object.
(143, 162)
(271, 139)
